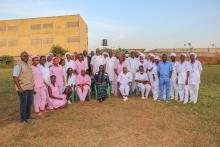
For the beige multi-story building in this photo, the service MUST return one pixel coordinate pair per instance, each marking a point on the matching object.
(38, 35)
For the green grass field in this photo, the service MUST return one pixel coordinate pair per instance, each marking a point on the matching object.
(116, 123)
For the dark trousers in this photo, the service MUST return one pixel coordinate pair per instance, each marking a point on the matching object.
(26, 98)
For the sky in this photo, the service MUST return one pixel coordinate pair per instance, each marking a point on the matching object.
(132, 23)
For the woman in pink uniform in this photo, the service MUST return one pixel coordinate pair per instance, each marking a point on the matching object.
(81, 64)
(56, 100)
(118, 69)
(83, 82)
(57, 70)
(40, 89)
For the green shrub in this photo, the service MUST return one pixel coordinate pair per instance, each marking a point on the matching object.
(5, 59)
(58, 50)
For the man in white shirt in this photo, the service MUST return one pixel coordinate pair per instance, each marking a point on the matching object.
(45, 70)
(153, 75)
(96, 61)
(110, 65)
(132, 64)
(195, 70)
(125, 81)
(182, 78)
(68, 62)
(173, 84)
(143, 82)
(49, 61)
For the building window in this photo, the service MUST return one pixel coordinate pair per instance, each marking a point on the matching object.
(2, 29)
(12, 28)
(36, 42)
(12, 43)
(3, 43)
(72, 24)
(36, 27)
(48, 26)
(48, 41)
(73, 39)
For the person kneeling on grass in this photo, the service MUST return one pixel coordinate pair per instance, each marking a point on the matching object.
(101, 80)
(143, 82)
(83, 82)
(70, 83)
(125, 81)
(56, 99)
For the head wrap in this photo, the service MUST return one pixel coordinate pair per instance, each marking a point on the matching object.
(172, 55)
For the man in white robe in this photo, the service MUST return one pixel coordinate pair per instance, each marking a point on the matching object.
(195, 71)
(183, 79)
(110, 65)
(96, 61)
(153, 75)
(143, 82)
(173, 84)
(132, 64)
(69, 63)
(125, 82)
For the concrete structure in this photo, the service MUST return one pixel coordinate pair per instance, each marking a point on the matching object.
(135, 49)
(186, 50)
(38, 35)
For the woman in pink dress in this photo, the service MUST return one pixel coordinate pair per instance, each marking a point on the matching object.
(40, 95)
(81, 64)
(118, 69)
(56, 99)
(83, 82)
(57, 70)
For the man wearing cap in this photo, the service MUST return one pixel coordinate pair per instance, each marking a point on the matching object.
(194, 77)
(153, 75)
(23, 79)
(183, 78)
(164, 73)
(173, 84)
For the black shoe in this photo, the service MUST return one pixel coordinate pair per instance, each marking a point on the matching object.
(100, 100)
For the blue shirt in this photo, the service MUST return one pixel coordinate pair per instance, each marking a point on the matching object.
(164, 69)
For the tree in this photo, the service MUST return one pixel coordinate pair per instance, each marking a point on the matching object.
(58, 50)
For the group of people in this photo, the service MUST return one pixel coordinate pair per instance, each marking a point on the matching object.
(50, 81)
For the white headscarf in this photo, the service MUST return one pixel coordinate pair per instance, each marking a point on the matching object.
(172, 55)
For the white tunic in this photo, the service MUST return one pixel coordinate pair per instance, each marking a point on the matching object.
(46, 73)
(142, 77)
(182, 69)
(195, 70)
(96, 61)
(124, 79)
(69, 64)
(174, 73)
(71, 81)
(48, 64)
(152, 70)
(132, 64)
(110, 64)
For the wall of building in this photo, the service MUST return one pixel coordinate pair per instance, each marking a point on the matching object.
(38, 35)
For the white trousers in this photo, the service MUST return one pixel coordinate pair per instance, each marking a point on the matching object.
(155, 89)
(124, 89)
(183, 92)
(173, 90)
(145, 89)
(133, 82)
(193, 92)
